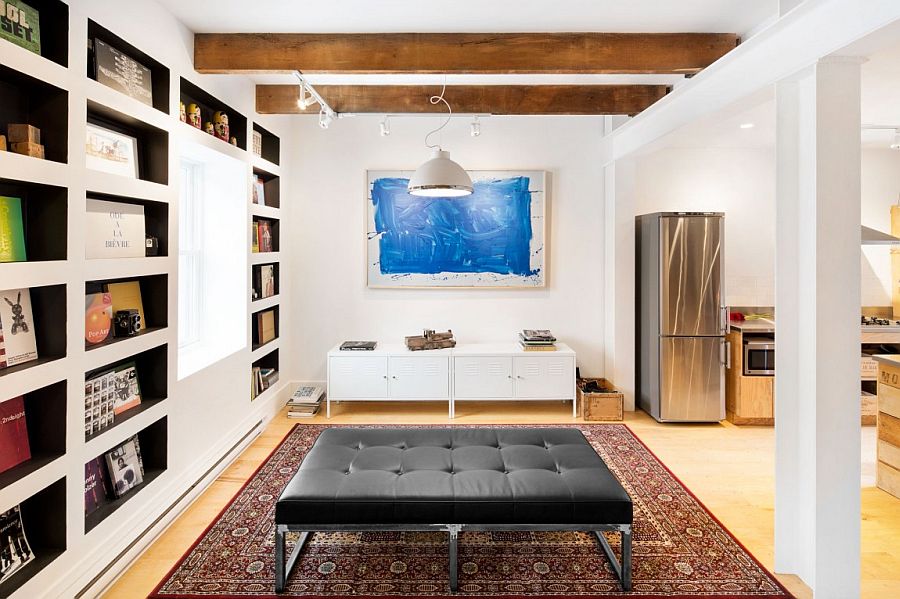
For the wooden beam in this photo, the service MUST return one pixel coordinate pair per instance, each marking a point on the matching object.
(497, 53)
(471, 99)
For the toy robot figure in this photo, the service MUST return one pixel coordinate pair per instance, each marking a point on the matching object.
(18, 318)
(220, 119)
(193, 116)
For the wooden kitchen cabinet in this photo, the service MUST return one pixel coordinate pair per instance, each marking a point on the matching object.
(748, 399)
(887, 469)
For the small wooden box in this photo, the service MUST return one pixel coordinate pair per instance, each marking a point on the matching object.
(606, 405)
(2, 143)
(19, 133)
(28, 149)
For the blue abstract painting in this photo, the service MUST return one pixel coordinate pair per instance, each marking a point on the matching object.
(491, 238)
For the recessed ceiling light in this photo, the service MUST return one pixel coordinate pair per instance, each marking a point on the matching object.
(747, 125)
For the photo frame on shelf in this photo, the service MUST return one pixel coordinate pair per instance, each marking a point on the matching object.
(111, 151)
(115, 69)
(259, 191)
(114, 230)
(21, 25)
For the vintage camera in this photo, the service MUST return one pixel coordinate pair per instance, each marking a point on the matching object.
(127, 323)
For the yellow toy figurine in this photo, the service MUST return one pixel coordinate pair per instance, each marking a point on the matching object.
(209, 128)
(220, 120)
(193, 116)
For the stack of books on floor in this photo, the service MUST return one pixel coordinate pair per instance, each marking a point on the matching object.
(537, 340)
(305, 402)
(263, 378)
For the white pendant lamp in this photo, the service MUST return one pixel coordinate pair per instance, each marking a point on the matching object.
(440, 177)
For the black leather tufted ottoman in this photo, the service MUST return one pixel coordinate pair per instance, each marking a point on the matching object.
(456, 479)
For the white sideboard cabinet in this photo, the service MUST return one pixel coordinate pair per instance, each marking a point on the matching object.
(468, 372)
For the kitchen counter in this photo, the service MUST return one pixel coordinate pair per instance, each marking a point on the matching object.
(762, 325)
(888, 359)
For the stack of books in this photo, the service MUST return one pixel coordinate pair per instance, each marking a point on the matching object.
(537, 340)
(305, 402)
(263, 378)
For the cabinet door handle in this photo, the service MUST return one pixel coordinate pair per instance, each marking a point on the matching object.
(384, 377)
(394, 377)
(509, 376)
(519, 376)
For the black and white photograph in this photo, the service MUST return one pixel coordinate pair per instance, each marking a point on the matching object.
(124, 467)
(15, 552)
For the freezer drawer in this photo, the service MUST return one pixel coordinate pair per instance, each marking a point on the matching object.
(692, 379)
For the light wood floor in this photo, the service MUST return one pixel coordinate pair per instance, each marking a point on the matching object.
(731, 470)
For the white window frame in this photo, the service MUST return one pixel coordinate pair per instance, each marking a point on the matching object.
(190, 254)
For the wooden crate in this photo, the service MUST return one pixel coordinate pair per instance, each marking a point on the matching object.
(603, 406)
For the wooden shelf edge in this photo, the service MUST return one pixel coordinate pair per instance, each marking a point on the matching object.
(19, 167)
(34, 65)
(126, 428)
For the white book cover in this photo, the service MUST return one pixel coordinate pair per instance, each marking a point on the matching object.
(114, 230)
(125, 469)
(15, 553)
(17, 321)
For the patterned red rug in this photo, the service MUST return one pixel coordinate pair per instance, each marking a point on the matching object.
(680, 549)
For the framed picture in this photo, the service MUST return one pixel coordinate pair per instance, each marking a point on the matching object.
(114, 230)
(122, 73)
(111, 152)
(495, 237)
(259, 191)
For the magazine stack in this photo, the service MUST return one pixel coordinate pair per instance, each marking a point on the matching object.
(537, 340)
(305, 402)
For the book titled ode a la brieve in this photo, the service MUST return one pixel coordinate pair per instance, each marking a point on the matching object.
(114, 230)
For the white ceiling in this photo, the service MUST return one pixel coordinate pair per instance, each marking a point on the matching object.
(426, 16)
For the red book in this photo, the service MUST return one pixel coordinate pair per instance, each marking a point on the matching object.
(14, 447)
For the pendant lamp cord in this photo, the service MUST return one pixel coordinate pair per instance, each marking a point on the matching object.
(436, 100)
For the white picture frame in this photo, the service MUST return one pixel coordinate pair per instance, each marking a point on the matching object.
(112, 152)
(114, 230)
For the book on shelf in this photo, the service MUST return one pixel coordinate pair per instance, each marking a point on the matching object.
(263, 378)
(266, 239)
(127, 296)
(98, 312)
(254, 237)
(265, 327)
(118, 387)
(122, 73)
(14, 447)
(114, 230)
(12, 230)
(20, 24)
(537, 335)
(96, 485)
(16, 552)
(259, 191)
(526, 347)
(125, 469)
(267, 280)
(18, 344)
(99, 404)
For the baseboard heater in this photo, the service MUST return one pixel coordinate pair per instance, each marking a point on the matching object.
(257, 428)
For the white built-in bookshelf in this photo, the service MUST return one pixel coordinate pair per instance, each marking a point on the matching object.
(55, 91)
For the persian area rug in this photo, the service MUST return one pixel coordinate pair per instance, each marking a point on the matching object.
(679, 548)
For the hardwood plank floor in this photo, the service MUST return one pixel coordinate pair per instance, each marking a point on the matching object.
(730, 469)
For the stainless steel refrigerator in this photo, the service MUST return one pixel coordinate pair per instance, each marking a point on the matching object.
(681, 318)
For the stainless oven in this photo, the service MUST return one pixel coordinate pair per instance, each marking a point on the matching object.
(759, 356)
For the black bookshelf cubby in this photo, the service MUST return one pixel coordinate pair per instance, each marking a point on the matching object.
(53, 20)
(44, 218)
(254, 325)
(154, 298)
(45, 420)
(159, 73)
(271, 145)
(156, 216)
(44, 521)
(270, 360)
(49, 321)
(152, 142)
(275, 229)
(257, 279)
(209, 104)
(272, 185)
(154, 441)
(26, 100)
(152, 369)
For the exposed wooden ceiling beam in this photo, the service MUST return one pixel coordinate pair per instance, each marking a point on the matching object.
(489, 53)
(471, 99)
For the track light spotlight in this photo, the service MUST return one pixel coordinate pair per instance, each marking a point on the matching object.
(895, 145)
(476, 128)
(325, 119)
(306, 99)
(385, 127)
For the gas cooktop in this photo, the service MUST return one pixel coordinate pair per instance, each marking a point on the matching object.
(872, 321)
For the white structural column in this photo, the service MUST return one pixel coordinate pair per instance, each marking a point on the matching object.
(618, 273)
(817, 298)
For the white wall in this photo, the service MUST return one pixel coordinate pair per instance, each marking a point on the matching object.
(332, 302)
(738, 182)
(741, 183)
(880, 191)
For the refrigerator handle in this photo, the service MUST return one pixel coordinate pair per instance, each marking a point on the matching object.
(725, 314)
(726, 346)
